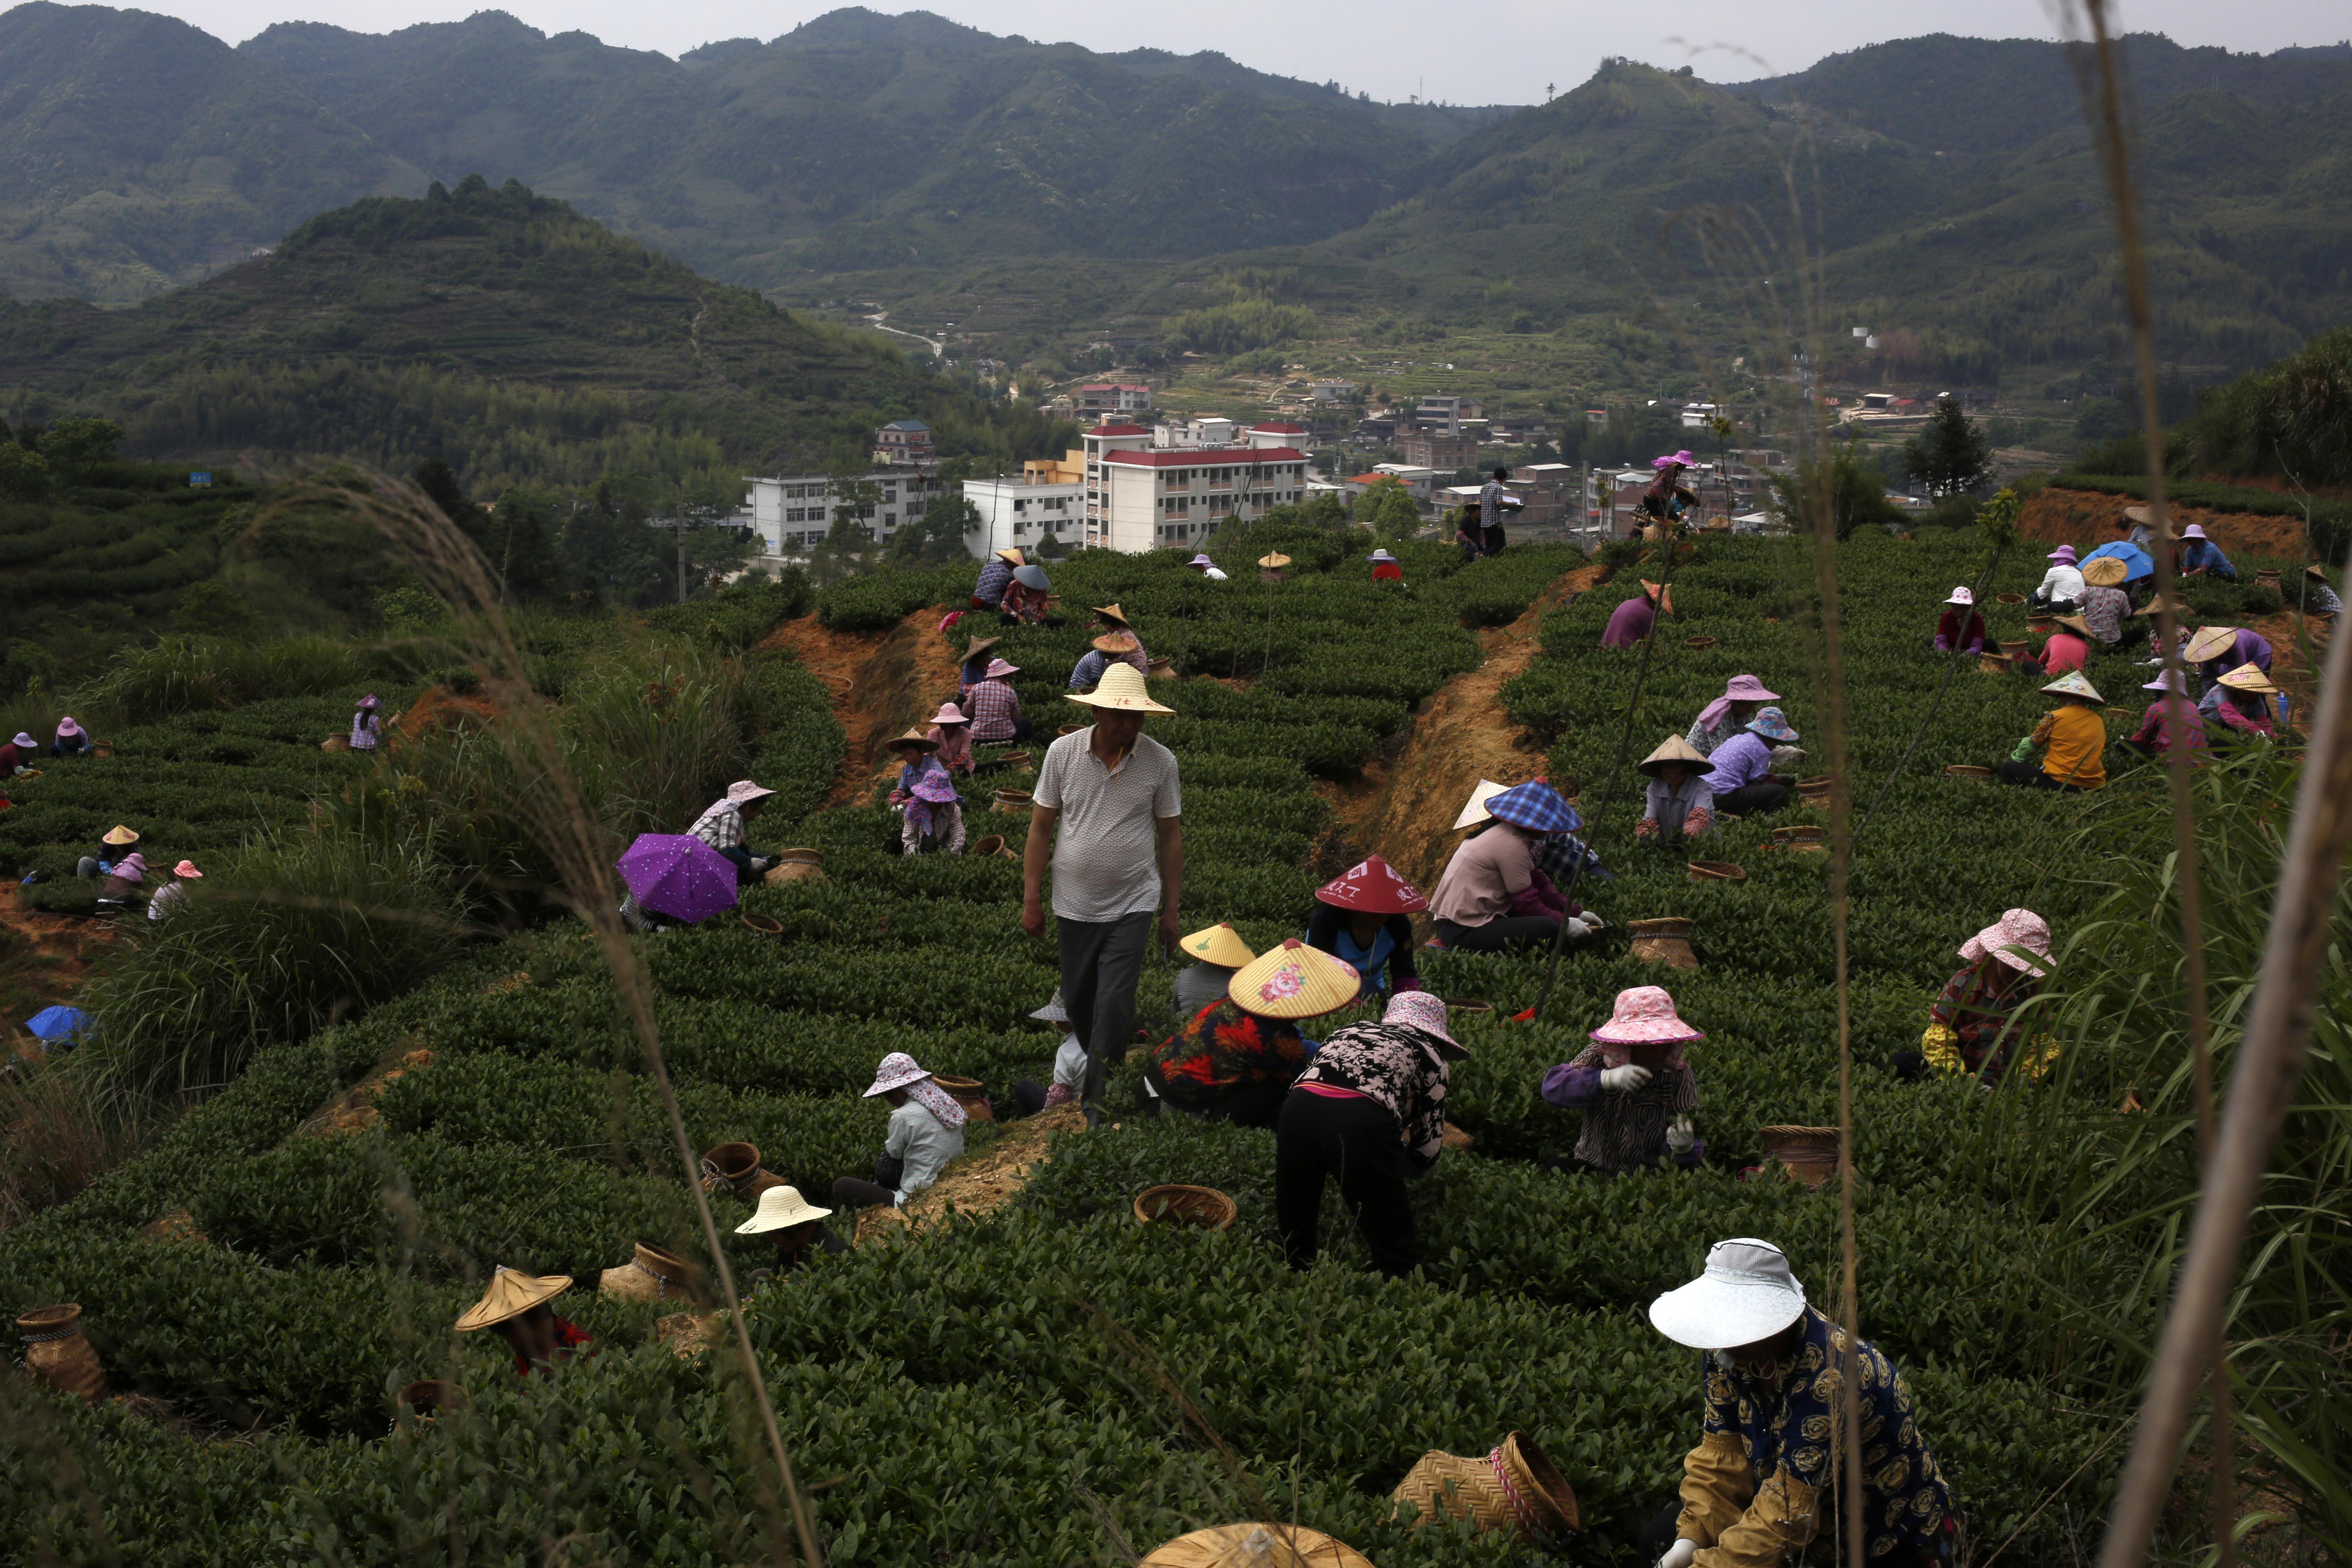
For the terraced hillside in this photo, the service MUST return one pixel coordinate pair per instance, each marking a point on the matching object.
(998, 1390)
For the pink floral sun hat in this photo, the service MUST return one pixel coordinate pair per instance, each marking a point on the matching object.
(1424, 1011)
(2015, 929)
(1645, 1015)
(998, 670)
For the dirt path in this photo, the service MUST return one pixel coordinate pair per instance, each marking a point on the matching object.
(1405, 810)
(882, 683)
(43, 961)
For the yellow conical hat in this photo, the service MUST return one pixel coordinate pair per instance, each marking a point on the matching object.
(1293, 981)
(1218, 945)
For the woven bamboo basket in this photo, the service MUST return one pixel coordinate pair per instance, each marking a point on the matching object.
(1698, 642)
(1805, 838)
(2013, 598)
(1069, 729)
(1014, 759)
(735, 1167)
(1515, 1489)
(798, 865)
(2039, 624)
(1455, 1138)
(1013, 800)
(988, 847)
(1807, 1155)
(2266, 577)
(106, 747)
(1993, 663)
(968, 1093)
(1717, 871)
(1256, 1546)
(1202, 1206)
(1966, 771)
(766, 925)
(1664, 940)
(2014, 647)
(654, 1274)
(335, 743)
(56, 1352)
(1161, 669)
(1815, 791)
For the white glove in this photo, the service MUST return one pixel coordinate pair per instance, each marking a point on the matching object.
(1681, 1554)
(1578, 929)
(1619, 1080)
(1592, 921)
(1679, 1137)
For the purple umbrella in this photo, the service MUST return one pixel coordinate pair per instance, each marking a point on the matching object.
(679, 876)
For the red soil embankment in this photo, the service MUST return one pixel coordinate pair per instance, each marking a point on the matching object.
(882, 684)
(2087, 518)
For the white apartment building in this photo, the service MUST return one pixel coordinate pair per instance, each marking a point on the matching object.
(792, 512)
(1017, 513)
(1205, 430)
(1163, 499)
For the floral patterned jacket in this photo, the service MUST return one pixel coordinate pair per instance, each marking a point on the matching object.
(1764, 1480)
(1222, 1049)
(1397, 1068)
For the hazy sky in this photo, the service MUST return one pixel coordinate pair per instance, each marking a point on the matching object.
(1495, 51)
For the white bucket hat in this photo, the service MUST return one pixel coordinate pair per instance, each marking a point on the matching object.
(1961, 595)
(781, 1208)
(1747, 1294)
(743, 792)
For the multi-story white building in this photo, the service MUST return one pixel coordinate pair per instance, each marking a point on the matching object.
(1017, 513)
(794, 513)
(1172, 497)
(1203, 430)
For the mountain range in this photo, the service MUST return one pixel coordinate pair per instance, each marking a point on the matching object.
(1942, 182)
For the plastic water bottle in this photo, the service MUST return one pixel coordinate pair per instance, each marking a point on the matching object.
(2283, 701)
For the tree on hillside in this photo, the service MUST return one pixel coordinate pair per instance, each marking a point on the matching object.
(439, 482)
(1843, 484)
(24, 477)
(1951, 455)
(936, 537)
(74, 448)
(1388, 508)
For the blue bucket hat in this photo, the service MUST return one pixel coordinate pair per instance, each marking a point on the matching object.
(1536, 806)
(1772, 726)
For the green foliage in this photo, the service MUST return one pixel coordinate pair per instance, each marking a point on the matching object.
(1951, 455)
(75, 448)
(1389, 509)
(178, 673)
(24, 475)
(1837, 489)
(1243, 325)
(2292, 419)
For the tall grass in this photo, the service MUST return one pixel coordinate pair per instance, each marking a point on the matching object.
(178, 674)
(297, 932)
(2126, 1181)
(54, 1138)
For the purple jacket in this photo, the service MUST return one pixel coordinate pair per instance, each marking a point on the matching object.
(1741, 759)
(1578, 1088)
(2252, 647)
(1630, 622)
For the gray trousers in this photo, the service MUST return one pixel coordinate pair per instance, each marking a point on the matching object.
(1101, 964)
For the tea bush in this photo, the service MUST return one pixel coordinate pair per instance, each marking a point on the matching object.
(961, 1384)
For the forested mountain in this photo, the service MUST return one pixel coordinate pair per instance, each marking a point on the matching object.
(1988, 236)
(137, 153)
(859, 140)
(495, 328)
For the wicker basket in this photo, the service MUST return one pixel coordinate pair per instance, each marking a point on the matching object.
(1804, 838)
(1717, 871)
(1665, 941)
(766, 925)
(1698, 642)
(799, 864)
(1013, 800)
(56, 1352)
(2013, 598)
(2266, 577)
(654, 1274)
(1014, 760)
(1966, 771)
(1815, 791)
(1069, 729)
(1514, 1489)
(1161, 669)
(1256, 1546)
(986, 848)
(1205, 1207)
(1993, 663)
(428, 1397)
(968, 1093)
(735, 1167)
(1806, 1155)
(2014, 648)
(1455, 1138)
(335, 743)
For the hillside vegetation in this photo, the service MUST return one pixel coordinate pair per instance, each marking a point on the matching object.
(497, 330)
(1000, 1386)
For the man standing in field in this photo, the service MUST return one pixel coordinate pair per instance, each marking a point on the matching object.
(1107, 818)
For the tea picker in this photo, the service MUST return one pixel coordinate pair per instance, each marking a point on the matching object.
(112, 849)
(995, 576)
(926, 1132)
(2153, 736)
(2076, 737)
(930, 811)
(1678, 803)
(1222, 953)
(1742, 780)
(2236, 710)
(516, 1305)
(1765, 1481)
(1634, 1087)
(1962, 625)
(1743, 697)
(1368, 1110)
(1492, 895)
(1236, 1061)
(18, 757)
(795, 1226)
(2214, 651)
(71, 739)
(1364, 918)
(1972, 1025)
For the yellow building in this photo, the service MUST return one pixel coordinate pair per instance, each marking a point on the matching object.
(1069, 469)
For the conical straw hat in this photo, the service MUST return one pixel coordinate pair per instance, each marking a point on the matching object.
(2248, 677)
(2074, 683)
(1675, 749)
(1293, 981)
(1256, 1546)
(2211, 643)
(1218, 945)
(510, 1295)
(1274, 562)
(1476, 812)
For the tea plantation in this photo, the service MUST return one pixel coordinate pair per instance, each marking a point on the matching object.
(998, 1391)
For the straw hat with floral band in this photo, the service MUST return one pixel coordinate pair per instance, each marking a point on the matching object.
(1773, 726)
(2211, 643)
(1218, 945)
(781, 1208)
(2018, 938)
(1747, 1295)
(1293, 981)
(1122, 691)
(1536, 806)
(2072, 684)
(120, 837)
(1675, 749)
(1424, 1011)
(1663, 597)
(1115, 642)
(2249, 676)
(511, 1293)
(2106, 572)
(1372, 887)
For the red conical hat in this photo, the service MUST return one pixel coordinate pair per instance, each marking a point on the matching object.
(1372, 887)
